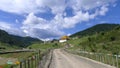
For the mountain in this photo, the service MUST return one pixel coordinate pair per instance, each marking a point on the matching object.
(16, 40)
(95, 29)
(104, 42)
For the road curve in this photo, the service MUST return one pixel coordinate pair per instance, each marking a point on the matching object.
(62, 59)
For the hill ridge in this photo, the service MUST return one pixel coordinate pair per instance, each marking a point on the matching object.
(95, 29)
(16, 40)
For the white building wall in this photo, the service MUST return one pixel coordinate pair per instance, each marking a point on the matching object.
(61, 41)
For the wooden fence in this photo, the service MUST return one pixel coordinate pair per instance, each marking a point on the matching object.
(113, 60)
(16, 51)
(31, 62)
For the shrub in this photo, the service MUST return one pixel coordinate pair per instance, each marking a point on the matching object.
(112, 38)
(89, 39)
(102, 33)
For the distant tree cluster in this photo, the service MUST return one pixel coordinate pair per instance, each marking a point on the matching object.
(16, 40)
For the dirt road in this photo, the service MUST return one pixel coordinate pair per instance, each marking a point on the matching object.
(62, 59)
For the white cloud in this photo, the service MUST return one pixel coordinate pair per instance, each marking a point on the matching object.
(16, 21)
(55, 5)
(21, 6)
(41, 28)
(103, 10)
(28, 6)
(89, 4)
(79, 17)
(10, 28)
(4, 25)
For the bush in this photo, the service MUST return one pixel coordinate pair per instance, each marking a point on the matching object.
(89, 39)
(102, 33)
(117, 28)
(112, 38)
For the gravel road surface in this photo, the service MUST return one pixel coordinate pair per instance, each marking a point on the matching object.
(62, 59)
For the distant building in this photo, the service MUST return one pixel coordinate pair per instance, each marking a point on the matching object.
(64, 39)
(61, 41)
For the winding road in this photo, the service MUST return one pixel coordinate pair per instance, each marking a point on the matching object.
(62, 59)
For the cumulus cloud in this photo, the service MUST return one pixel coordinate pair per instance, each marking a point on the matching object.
(21, 6)
(41, 28)
(28, 6)
(10, 28)
(88, 4)
(79, 17)
(103, 10)
(56, 6)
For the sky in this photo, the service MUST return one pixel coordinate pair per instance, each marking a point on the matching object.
(48, 19)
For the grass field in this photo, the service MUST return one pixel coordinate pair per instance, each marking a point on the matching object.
(7, 47)
(44, 46)
(24, 55)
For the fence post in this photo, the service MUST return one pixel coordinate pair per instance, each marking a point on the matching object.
(109, 60)
(117, 65)
(88, 54)
(25, 64)
(97, 57)
(81, 54)
(93, 56)
(113, 64)
(20, 64)
(12, 66)
(39, 54)
(31, 62)
(100, 58)
(28, 63)
(38, 58)
(103, 58)
(35, 61)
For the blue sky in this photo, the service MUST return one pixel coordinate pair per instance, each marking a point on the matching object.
(45, 19)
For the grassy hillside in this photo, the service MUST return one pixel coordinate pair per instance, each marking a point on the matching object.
(16, 40)
(95, 29)
(4, 47)
(107, 42)
(44, 46)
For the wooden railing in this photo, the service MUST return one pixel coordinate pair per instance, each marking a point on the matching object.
(33, 61)
(16, 51)
(113, 60)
